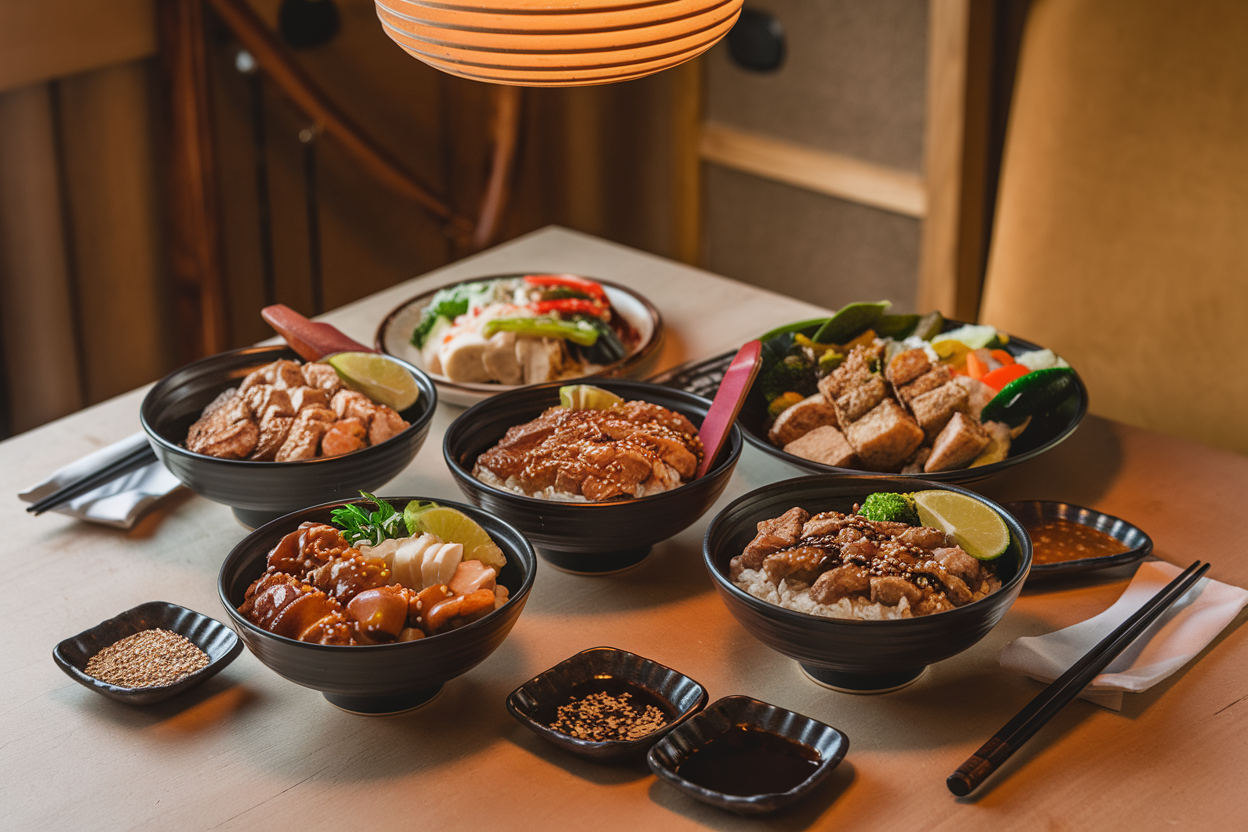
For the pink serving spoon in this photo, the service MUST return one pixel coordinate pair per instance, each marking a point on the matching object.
(313, 340)
(727, 403)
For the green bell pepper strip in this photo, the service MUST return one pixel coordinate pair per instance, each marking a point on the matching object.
(578, 332)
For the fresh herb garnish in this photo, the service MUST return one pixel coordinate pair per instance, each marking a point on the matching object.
(371, 527)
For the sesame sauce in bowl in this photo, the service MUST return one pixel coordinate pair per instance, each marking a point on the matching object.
(1058, 541)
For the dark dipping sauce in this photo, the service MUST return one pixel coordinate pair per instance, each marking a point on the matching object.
(1059, 541)
(746, 761)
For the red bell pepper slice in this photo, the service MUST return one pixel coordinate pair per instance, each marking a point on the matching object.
(569, 306)
(569, 281)
(998, 378)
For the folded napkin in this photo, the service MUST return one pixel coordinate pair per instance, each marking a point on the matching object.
(1172, 641)
(119, 503)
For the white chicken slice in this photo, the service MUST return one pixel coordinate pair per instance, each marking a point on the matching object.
(439, 563)
(408, 558)
(500, 358)
(463, 357)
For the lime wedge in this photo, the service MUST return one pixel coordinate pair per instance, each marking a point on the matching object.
(454, 526)
(977, 528)
(376, 376)
(1037, 392)
(587, 397)
(412, 513)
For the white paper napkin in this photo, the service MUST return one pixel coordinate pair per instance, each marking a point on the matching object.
(119, 503)
(1174, 639)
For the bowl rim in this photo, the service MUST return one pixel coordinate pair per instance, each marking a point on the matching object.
(584, 745)
(619, 368)
(724, 584)
(960, 474)
(429, 394)
(525, 585)
(728, 457)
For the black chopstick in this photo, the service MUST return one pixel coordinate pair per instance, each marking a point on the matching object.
(1059, 694)
(132, 461)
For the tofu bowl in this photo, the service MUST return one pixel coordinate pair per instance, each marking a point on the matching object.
(585, 537)
(852, 655)
(262, 491)
(810, 436)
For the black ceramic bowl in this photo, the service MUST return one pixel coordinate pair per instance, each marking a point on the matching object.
(849, 655)
(261, 491)
(1031, 513)
(383, 678)
(734, 712)
(587, 538)
(1046, 430)
(536, 703)
(209, 635)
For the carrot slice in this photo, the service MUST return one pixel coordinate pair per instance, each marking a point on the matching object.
(1002, 356)
(976, 367)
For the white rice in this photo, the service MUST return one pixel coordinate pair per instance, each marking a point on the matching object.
(795, 595)
(668, 480)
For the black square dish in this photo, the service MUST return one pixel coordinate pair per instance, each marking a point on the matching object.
(209, 635)
(606, 670)
(747, 756)
(1032, 513)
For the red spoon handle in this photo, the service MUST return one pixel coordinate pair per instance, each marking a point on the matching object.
(727, 404)
(311, 339)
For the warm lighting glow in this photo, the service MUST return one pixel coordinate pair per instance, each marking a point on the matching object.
(556, 43)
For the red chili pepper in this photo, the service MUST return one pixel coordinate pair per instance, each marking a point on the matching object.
(569, 281)
(569, 306)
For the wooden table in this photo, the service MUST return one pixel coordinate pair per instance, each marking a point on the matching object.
(249, 750)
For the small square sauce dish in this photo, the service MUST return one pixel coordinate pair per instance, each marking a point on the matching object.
(1067, 539)
(748, 756)
(606, 705)
(217, 641)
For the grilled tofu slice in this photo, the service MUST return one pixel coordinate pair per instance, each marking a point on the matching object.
(885, 438)
(824, 444)
(795, 421)
(957, 445)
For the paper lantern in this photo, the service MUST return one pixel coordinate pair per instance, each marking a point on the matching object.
(556, 43)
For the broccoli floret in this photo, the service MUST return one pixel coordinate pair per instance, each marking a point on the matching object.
(887, 506)
(793, 374)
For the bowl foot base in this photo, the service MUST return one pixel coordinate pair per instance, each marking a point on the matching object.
(399, 703)
(253, 520)
(595, 563)
(851, 682)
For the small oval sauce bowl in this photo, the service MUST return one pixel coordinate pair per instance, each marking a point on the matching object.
(748, 756)
(1035, 513)
(605, 670)
(211, 636)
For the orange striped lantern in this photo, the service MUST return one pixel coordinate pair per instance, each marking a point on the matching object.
(556, 43)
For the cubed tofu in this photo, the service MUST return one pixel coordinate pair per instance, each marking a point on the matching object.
(935, 408)
(933, 378)
(824, 444)
(885, 438)
(978, 394)
(799, 419)
(957, 445)
(915, 465)
(859, 398)
(861, 363)
(907, 366)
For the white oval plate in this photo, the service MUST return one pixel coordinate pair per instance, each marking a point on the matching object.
(395, 332)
